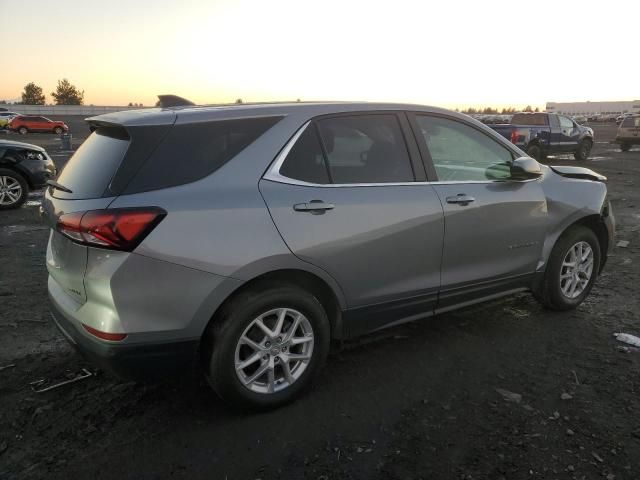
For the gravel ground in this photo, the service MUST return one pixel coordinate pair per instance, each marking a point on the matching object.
(430, 400)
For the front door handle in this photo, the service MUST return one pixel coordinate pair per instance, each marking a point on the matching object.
(461, 199)
(314, 206)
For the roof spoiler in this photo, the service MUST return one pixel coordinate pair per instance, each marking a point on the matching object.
(166, 101)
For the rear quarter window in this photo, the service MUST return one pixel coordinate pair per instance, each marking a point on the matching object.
(192, 151)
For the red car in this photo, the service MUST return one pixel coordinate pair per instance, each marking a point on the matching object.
(24, 124)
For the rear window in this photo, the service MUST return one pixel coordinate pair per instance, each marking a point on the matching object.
(88, 173)
(631, 122)
(192, 151)
(533, 119)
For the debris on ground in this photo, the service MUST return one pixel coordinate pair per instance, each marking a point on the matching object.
(623, 244)
(627, 338)
(509, 396)
(566, 396)
(11, 365)
(575, 376)
(38, 387)
(622, 348)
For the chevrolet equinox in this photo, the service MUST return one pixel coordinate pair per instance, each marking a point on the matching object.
(247, 237)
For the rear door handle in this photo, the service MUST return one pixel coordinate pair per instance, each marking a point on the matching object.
(314, 206)
(461, 199)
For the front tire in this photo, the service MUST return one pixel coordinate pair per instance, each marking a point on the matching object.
(535, 152)
(23, 130)
(572, 269)
(266, 346)
(584, 149)
(13, 189)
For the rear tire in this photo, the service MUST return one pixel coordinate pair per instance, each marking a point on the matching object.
(625, 147)
(534, 151)
(584, 149)
(23, 130)
(556, 292)
(14, 189)
(224, 351)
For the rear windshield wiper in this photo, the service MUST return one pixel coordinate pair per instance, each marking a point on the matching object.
(57, 186)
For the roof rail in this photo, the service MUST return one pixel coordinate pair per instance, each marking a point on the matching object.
(166, 101)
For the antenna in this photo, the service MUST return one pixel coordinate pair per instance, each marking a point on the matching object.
(166, 101)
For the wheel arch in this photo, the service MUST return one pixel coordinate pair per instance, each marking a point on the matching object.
(330, 300)
(593, 222)
(11, 163)
(596, 224)
(15, 167)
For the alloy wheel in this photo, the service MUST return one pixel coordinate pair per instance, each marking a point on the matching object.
(274, 350)
(10, 190)
(577, 269)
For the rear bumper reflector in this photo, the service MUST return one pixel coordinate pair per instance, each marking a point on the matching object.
(113, 337)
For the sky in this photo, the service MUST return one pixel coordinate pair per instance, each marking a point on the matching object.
(448, 53)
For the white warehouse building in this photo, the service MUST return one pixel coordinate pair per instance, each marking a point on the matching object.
(587, 108)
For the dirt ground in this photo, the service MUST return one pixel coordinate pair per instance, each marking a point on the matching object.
(420, 401)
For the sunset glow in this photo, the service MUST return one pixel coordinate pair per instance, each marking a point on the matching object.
(453, 54)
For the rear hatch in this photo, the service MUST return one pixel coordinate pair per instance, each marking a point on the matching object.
(91, 180)
(630, 128)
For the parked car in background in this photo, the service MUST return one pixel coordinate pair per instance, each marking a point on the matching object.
(620, 118)
(579, 119)
(24, 124)
(629, 132)
(542, 134)
(23, 167)
(5, 118)
(259, 249)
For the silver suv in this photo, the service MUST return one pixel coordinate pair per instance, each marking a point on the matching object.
(628, 132)
(248, 237)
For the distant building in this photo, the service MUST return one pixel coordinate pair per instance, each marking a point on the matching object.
(582, 108)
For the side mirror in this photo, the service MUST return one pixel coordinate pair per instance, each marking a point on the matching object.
(525, 168)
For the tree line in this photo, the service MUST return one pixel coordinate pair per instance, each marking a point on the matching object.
(65, 94)
(495, 111)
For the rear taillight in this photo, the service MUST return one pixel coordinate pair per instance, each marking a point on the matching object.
(112, 337)
(116, 229)
(514, 137)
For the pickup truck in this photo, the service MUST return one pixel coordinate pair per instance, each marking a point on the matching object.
(542, 134)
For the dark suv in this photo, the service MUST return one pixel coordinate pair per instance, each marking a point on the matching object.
(23, 167)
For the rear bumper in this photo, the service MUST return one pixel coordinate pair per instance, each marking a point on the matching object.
(38, 171)
(629, 140)
(152, 360)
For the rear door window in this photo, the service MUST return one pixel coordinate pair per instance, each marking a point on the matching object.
(350, 149)
(365, 149)
(305, 160)
(88, 173)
